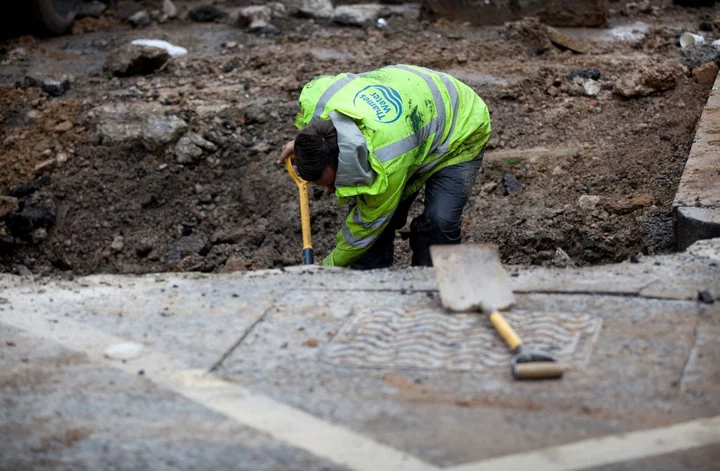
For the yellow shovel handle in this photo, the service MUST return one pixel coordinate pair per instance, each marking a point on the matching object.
(304, 204)
(505, 331)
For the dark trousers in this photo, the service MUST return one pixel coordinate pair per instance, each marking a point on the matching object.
(446, 194)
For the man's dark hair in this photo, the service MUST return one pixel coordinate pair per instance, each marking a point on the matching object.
(316, 147)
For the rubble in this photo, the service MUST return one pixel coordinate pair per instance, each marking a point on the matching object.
(117, 244)
(320, 9)
(140, 19)
(51, 87)
(706, 73)
(629, 205)
(649, 78)
(133, 59)
(530, 32)
(206, 14)
(186, 152)
(357, 15)
(588, 202)
(169, 9)
(512, 185)
(695, 56)
(568, 42)
(202, 143)
(159, 132)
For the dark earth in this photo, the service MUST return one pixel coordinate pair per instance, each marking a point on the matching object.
(588, 171)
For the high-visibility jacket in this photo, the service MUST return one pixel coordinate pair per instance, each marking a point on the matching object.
(396, 126)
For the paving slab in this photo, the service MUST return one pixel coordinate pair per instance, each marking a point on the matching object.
(697, 201)
(312, 368)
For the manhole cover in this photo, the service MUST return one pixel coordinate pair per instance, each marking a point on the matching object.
(432, 339)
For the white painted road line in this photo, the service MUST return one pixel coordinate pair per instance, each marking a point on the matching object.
(607, 450)
(285, 423)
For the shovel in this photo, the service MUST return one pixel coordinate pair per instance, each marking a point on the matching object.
(471, 278)
(308, 257)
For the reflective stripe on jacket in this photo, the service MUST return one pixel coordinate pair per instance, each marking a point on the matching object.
(396, 127)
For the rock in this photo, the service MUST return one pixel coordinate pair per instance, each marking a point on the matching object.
(206, 14)
(591, 88)
(252, 14)
(159, 132)
(139, 19)
(94, 9)
(38, 235)
(705, 297)
(706, 73)
(117, 244)
(561, 258)
(588, 202)
(263, 27)
(512, 185)
(202, 143)
(585, 74)
(55, 88)
(697, 55)
(650, 78)
(312, 343)
(186, 152)
(64, 126)
(568, 42)
(489, 187)
(320, 9)
(45, 166)
(8, 204)
(630, 205)
(133, 59)
(530, 32)
(169, 9)
(357, 15)
(278, 9)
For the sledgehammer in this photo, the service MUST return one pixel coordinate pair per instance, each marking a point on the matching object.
(308, 257)
(472, 278)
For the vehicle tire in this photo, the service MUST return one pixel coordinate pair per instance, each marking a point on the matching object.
(53, 16)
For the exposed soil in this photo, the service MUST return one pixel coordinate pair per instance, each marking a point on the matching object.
(122, 207)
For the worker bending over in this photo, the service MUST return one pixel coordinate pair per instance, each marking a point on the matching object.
(375, 139)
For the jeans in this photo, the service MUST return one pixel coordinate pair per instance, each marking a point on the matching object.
(446, 193)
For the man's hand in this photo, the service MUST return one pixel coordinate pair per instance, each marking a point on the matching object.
(287, 150)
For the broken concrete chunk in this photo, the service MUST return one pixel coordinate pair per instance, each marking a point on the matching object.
(591, 88)
(8, 204)
(568, 42)
(139, 19)
(530, 32)
(249, 15)
(650, 78)
(588, 202)
(320, 9)
(134, 59)
(186, 152)
(357, 15)
(706, 73)
(161, 131)
(629, 205)
(202, 143)
(695, 56)
(169, 9)
(263, 27)
(512, 185)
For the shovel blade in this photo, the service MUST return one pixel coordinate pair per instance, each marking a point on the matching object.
(471, 278)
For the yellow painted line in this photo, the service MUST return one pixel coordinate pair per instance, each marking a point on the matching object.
(607, 450)
(282, 422)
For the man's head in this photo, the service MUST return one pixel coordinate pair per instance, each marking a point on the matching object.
(316, 153)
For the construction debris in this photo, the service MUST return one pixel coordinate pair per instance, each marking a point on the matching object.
(649, 78)
(133, 59)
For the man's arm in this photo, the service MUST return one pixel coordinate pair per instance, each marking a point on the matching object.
(365, 223)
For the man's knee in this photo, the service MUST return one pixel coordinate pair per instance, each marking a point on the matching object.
(438, 228)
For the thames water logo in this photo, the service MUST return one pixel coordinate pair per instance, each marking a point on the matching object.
(384, 102)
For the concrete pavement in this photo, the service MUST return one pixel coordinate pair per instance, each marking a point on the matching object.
(332, 369)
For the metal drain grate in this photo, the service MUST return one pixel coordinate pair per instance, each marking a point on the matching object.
(432, 339)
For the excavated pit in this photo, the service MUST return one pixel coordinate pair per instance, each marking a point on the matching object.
(598, 173)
